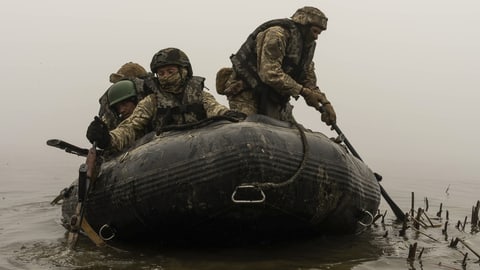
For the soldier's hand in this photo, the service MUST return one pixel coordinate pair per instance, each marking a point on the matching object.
(312, 98)
(328, 114)
(235, 114)
(98, 132)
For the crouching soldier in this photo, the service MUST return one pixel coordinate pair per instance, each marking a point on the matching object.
(143, 87)
(180, 99)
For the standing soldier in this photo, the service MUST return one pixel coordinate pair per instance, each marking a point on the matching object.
(274, 64)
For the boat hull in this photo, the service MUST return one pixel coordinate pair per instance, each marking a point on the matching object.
(255, 178)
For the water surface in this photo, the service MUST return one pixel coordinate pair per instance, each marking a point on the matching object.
(33, 238)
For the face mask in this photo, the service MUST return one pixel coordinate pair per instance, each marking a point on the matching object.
(174, 82)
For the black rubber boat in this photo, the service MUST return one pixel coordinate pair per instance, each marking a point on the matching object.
(258, 178)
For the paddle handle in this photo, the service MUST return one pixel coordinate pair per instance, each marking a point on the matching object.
(396, 210)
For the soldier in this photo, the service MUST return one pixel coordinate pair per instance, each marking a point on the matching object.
(122, 98)
(181, 99)
(128, 70)
(274, 64)
(138, 75)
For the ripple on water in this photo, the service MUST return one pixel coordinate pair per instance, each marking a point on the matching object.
(32, 238)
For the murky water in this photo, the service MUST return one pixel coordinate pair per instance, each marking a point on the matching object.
(31, 236)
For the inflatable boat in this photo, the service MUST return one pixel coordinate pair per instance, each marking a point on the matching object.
(252, 179)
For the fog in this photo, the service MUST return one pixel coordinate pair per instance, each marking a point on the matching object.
(401, 75)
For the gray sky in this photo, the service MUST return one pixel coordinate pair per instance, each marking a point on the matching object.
(401, 75)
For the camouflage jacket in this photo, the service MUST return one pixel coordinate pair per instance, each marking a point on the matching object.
(275, 57)
(143, 86)
(162, 108)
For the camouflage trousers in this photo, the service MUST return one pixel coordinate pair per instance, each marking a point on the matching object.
(246, 102)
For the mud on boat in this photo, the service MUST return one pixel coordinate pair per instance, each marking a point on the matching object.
(258, 178)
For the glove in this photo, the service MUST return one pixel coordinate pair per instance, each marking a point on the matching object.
(235, 114)
(328, 114)
(312, 98)
(98, 132)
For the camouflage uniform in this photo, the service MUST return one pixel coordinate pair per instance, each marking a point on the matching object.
(179, 99)
(139, 76)
(162, 108)
(274, 64)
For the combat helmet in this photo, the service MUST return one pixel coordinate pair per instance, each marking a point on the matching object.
(128, 70)
(171, 56)
(310, 16)
(120, 91)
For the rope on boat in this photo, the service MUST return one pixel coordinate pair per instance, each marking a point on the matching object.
(255, 185)
(207, 121)
(198, 124)
(300, 168)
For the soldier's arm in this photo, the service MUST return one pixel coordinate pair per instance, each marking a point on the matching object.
(271, 47)
(310, 80)
(212, 106)
(134, 126)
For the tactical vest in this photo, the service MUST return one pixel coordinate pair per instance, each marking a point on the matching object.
(143, 86)
(188, 108)
(297, 58)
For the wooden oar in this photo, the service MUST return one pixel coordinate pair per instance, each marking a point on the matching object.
(76, 219)
(86, 180)
(396, 210)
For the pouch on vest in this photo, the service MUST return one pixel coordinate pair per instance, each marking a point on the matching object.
(221, 79)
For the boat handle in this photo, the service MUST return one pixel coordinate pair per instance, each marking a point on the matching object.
(368, 223)
(101, 232)
(261, 200)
